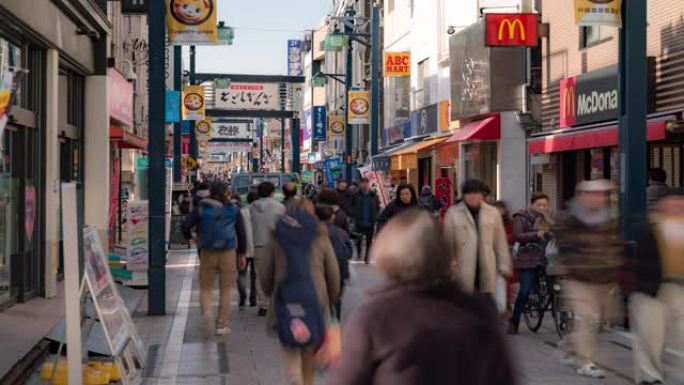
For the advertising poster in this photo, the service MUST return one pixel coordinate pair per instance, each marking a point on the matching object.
(191, 22)
(193, 103)
(336, 126)
(397, 64)
(249, 96)
(294, 58)
(377, 183)
(358, 107)
(120, 92)
(137, 228)
(320, 123)
(203, 129)
(444, 193)
(598, 12)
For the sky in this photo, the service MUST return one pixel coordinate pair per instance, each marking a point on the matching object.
(262, 28)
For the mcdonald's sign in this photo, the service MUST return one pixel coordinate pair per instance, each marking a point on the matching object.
(568, 102)
(511, 29)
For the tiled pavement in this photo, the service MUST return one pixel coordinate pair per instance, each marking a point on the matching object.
(181, 351)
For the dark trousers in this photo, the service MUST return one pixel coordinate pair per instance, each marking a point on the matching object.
(368, 234)
(528, 278)
(242, 283)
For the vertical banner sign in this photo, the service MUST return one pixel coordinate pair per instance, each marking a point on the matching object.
(444, 194)
(185, 144)
(137, 227)
(598, 12)
(294, 58)
(191, 22)
(173, 106)
(193, 103)
(203, 129)
(320, 123)
(511, 29)
(336, 126)
(397, 64)
(358, 107)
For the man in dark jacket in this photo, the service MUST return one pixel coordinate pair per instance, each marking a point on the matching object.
(224, 254)
(366, 208)
(345, 197)
(657, 305)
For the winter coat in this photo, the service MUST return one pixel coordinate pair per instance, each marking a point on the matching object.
(468, 242)
(342, 246)
(325, 273)
(265, 212)
(429, 202)
(346, 200)
(340, 218)
(359, 198)
(393, 208)
(531, 250)
(249, 233)
(423, 335)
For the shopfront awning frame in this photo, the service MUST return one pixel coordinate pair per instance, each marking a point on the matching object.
(126, 140)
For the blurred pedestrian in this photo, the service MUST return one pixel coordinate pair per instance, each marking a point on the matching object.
(341, 243)
(531, 232)
(422, 328)
(249, 252)
(406, 199)
(506, 219)
(657, 306)
(366, 208)
(657, 187)
(428, 201)
(591, 255)
(345, 197)
(199, 192)
(265, 212)
(331, 197)
(289, 191)
(301, 273)
(221, 236)
(477, 242)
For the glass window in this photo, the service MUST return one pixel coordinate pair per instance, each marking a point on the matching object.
(594, 35)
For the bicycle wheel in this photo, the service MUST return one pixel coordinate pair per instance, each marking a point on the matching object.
(534, 314)
(561, 318)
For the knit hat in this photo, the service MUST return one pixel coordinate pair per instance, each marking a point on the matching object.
(475, 186)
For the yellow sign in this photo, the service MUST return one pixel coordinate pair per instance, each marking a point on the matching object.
(203, 129)
(398, 64)
(336, 126)
(358, 107)
(190, 163)
(191, 21)
(193, 103)
(598, 12)
(511, 26)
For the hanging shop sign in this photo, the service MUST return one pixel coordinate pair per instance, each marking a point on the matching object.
(173, 106)
(511, 29)
(294, 58)
(191, 22)
(203, 129)
(193, 103)
(397, 64)
(598, 13)
(137, 229)
(249, 96)
(332, 168)
(336, 126)
(232, 130)
(444, 115)
(425, 120)
(190, 163)
(306, 129)
(358, 107)
(320, 123)
(589, 98)
(185, 144)
(120, 95)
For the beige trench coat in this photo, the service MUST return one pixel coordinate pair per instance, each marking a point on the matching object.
(463, 244)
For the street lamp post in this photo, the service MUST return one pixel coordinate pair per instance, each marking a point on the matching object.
(193, 137)
(348, 78)
(375, 77)
(177, 134)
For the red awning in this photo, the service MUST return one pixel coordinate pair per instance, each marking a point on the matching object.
(485, 129)
(125, 139)
(591, 138)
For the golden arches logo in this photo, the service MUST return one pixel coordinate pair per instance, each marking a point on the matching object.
(569, 105)
(511, 29)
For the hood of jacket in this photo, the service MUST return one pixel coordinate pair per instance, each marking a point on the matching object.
(297, 230)
(265, 213)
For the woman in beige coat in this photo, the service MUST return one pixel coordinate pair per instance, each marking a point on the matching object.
(300, 364)
(476, 240)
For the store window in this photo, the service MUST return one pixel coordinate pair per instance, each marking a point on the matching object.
(480, 162)
(421, 94)
(593, 35)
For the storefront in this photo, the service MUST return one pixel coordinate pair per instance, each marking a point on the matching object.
(413, 164)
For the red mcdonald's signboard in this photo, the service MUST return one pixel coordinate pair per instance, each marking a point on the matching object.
(511, 29)
(568, 102)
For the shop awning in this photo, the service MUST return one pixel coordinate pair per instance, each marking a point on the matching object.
(408, 157)
(606, 136)
(420, 146)
(484, 129)
(125, 139)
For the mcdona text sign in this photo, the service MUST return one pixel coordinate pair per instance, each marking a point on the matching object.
(248, 96)
(511, 29)
(589, 98)
(241, 130)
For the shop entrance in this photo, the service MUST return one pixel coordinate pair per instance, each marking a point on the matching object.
(424, 173)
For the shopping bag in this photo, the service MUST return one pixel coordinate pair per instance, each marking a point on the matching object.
(330, 353)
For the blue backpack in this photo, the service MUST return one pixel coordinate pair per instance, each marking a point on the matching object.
(300, 321)
(217, 226)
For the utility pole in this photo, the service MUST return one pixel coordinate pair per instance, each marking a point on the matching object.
(633, 65)
(375, 77)
(157, 169)
(178, 87)
(193, 137)
(348, 78)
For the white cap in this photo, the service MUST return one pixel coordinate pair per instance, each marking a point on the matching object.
(599, 185)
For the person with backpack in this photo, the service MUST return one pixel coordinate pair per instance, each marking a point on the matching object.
(302, 277)
(341, 243)
(220, 232)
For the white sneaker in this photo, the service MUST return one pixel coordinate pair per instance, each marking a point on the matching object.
(591, 370)
(222, 331)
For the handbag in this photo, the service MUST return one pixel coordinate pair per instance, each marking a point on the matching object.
(330, 353)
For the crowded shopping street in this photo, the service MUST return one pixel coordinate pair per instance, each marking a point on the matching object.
(342, 192)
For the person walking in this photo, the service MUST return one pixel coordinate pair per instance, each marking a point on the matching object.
(330, 197)
(657, 304)
(657, 187)
(222, 239)
(289, 191)
(591, 255)
(531, 232)
(428, 201)
(422, 328)
(300, 272)
(476, 241)
(345, 197)
(341, 243)
(406, 199)
(366, 208)
(265, 212)
(249, 252)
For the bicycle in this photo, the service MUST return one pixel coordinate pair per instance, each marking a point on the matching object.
(546, 296)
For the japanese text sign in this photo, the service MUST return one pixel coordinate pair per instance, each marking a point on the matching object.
(511, 29)
(397, 63)
(294, 58)
(231, 130)
(358, 107)
(193, 103)
(598, 12)
(191, 22)
(320, 123)
(248, 96)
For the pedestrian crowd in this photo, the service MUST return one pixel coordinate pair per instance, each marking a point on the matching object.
(453, 274)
